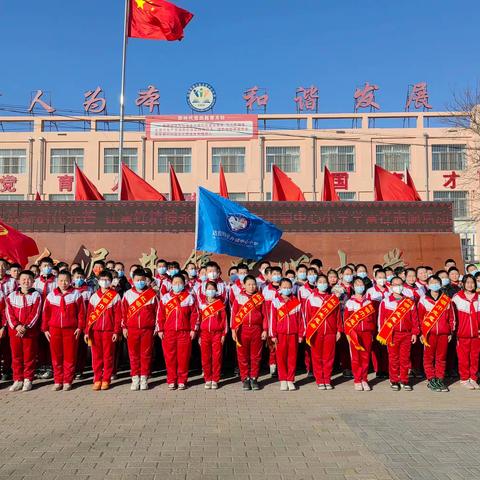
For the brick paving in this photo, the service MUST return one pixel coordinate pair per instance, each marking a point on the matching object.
(198, 434)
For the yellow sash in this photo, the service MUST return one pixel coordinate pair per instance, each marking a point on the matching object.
(253, 302)
(102, 305)
(320, 316)
(396, 317)
(353, 320)
(286, 308)
(175, 302)
(140, 302)
(430, 320)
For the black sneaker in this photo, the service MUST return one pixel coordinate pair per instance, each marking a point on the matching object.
(246, 385)
(395, 386)
(254, 384)
(406, 387)
(441, 385)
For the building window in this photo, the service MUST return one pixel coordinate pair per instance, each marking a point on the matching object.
(338, 159)
(62, 160)
(61, 197)
(268, 196)
(13, 160)
(11, 198)
(285, 158)
(179, 158)
(110, 197)
(231, 158)
(237, 197)
(347, 196)
(448, 157)
(394, 158)
(110, 159)
(459, 199)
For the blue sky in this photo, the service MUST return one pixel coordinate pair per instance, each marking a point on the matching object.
(69, 47)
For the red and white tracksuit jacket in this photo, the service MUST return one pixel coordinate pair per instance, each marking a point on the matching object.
(63, 313)
(86, 293)
(222, 290)
(164, 283)
(141, 327)
(365, 331)
(287, 331)
(249, 335)
(23, 309)
(400, 342)
(304, 292)
(324, 340)
(176, 327)
(413, 292)
(212, 329)
(468, 341)
(421, 287)
(7, 285)
(82, 350)
(379, 351)
(269, 292)
(235, 289)
(103, 347)
(435, 355)
(44, 285)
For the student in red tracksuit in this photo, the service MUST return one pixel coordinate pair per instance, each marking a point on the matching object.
(213, 328)
(323, 341)
(467, 307)
(105, 331)
(63, 320)
(439, 336)
(139, 313)
(178, 322)
(404, 335)
(361, 337)
(7, 285)
(287, 329)
(23, 308)
(249, 332)
(161, 278)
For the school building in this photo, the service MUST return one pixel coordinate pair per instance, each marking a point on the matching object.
(38, 154)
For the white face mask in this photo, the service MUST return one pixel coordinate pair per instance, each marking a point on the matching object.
(381, 281)
(212, 275)
(104, 283)
(398, 289)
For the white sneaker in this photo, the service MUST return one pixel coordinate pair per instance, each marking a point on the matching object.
(181, 386)
(67, 387)
(366, 386)
(135, 383)
(214, 385)
(467, 384)
(143, 382)
(27, 385)
(358, 387)
(321, 386)
(208, 385)
(475, 385)
(328, 387)
(273, 369)
(172, 386)
(56, 387)
(291, 386)
(16, 386)
(283, 386)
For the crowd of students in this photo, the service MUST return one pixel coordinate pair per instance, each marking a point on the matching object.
(402, 322)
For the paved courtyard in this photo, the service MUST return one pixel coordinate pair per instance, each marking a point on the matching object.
(198, 434)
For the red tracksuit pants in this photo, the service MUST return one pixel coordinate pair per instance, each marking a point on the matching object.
(24, 354)
(379, 357)
(211, 350)
(361, 359)
(287, 348)
(307, 358)
(82, 352)
(249, 352)
(435, 356)
(140, 351)
(103, 351)
(344, 353)
(63, 347)
(177, 347)
(399, 357)
(323, 356)
(468, 350)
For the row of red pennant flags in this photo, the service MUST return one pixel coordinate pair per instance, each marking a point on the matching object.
(388, 187)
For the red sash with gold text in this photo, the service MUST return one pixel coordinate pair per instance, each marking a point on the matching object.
(212, 309)
(287, 308)
(253, 302)
(175, 302)
(431, 318)
(102, 305)
(320, 316)
(353, 320)
(140, 302)
(396, 317)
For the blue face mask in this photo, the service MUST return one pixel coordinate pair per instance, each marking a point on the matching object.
(178, 288)
(445, 282)
(301, 275)
(312, 279)
(362, 274)
(192, 273)
(139, 284)
(241, 276)
(46, 271)
(79, 282)
(211, 293)
(203, 278)
(120, 273)
(286, 291)
(276, 278)
(347, 278)
(359, 289)
(173, 272)
(435, 287)
(162, 270)
(389, 278)
(322, 287)
(233, 277)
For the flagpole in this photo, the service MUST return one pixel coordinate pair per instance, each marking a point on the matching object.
(122, 98)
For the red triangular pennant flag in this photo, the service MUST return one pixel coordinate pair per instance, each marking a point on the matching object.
(223, 183)
(412, 186)
(388, 187)
(329, 192)
(15, 246)
(284, 189)
(176, 194)
(38, 198)
(84, 188)
(157, 20)
(136, 188)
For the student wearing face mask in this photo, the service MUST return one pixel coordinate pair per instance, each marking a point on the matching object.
(360, 326)
(323, 327)
(7, 286)
(437, 322)
(301, 275)
(362, 272)
(178, 322)
(447, 287)
(236, 287)
(213, 328)
(122, 279)
(410, 287)
(342, 348)
(161, 277)
(192, 274)
(262, 278)
(201, 279)
(103, 330)
(398, 329)
(92, 280)
(139, 316)
(213, 275)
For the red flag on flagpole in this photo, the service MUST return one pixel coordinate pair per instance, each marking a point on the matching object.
(157, 20)
(284, 189)
(388, 187)
(412, 186)
(84, 188)
(223, 183)
(38, 198)
(176, 194)
(15, 246)
(136, 188)
(329, 192)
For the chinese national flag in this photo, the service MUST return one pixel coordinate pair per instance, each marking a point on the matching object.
(157, 20)
(176, 193)
(284, 189)
(388, 187)
(329, 192)
(15, 246)
(223, 183)
(84, 188)
(136, 188)
(412, 186)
